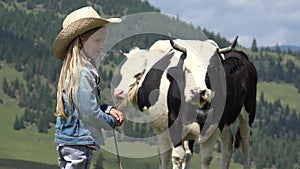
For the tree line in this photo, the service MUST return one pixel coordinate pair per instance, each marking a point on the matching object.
(272, 67)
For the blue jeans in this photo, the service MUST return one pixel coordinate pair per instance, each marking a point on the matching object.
(74, 157)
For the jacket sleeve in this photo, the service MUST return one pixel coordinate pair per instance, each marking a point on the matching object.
(106, 108)
(88, 106)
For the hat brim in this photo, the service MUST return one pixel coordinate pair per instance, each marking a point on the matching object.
(66, 35)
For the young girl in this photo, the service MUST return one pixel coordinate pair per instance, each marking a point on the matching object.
(80, 116)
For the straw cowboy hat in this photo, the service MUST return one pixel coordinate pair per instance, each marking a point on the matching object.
(77, 23)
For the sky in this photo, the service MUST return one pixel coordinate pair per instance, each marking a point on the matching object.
(270, 22)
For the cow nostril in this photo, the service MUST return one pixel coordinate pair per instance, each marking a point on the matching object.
(118, 92)
(202, 92)
(192, 91)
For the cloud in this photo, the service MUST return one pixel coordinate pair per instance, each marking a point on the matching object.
(270, 21)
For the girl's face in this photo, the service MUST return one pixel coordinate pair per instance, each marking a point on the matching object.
(93, 44)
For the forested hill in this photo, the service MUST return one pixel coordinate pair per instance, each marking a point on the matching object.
(28, 29)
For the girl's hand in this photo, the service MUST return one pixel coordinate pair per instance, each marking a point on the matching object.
(118, 115)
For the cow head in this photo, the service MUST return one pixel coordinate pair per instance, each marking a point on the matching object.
(214, 79)
(198, 54)
(131, 71)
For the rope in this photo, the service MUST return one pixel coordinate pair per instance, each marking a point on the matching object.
(117, 150)
(132, 97)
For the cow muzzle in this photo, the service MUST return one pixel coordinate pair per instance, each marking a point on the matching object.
(202, 98)
(119, 94)
(121, 99)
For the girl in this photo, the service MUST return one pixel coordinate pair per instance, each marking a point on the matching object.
(80, 116)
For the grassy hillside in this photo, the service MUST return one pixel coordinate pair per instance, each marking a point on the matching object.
(287, 93)
(25, 144)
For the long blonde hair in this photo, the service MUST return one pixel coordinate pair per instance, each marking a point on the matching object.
(74, 61)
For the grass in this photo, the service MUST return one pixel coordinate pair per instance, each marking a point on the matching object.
(287, 93)
(25, 144)
(15, 164)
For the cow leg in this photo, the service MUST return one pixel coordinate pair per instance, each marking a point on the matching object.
(206, 150)
(245, 137)
(178, 157)
(175, 130)
(164, 150)
(188, 146)
(178, 152)
(226, 143)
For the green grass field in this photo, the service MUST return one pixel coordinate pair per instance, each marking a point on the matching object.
(285, 92)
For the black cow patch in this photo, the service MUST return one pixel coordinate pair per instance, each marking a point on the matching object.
(148, 93)
(179, 111)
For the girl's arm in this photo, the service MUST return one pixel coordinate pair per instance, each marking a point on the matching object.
(86, 102)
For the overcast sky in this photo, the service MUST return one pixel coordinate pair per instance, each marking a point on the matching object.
(270, 22)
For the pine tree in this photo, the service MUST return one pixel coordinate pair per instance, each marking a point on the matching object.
(43, 124)
(5, 86)
(287, 110)
(16, 84)
(277, 49)
(21, 120)
(28, 115)
(254, 46)
(17, 125)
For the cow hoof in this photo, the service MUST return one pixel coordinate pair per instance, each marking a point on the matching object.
(178, 156)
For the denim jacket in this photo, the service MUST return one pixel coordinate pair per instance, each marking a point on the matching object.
(86, 118)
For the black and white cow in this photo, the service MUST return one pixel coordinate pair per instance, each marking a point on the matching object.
(145, 84)
(233, 78)
(237, 87)
(233, 81)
